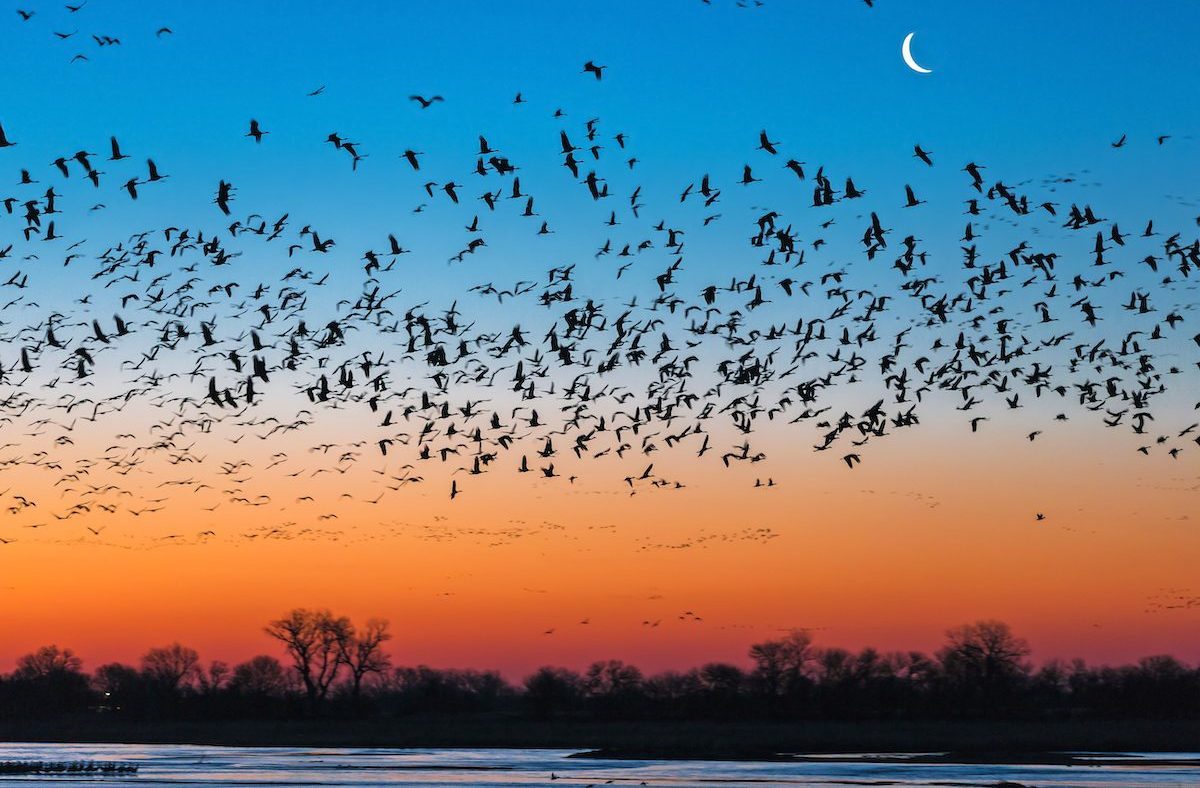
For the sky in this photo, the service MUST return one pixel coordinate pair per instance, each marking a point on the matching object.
(937, 525)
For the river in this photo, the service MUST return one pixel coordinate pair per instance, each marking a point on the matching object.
(189, 765)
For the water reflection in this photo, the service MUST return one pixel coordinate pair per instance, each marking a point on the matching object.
(227, 766)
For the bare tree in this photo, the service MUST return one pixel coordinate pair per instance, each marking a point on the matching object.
(985, 654)
(362, 653)
(261, 676)
(552, 690)
(779, 665)
(722, 682)
(315, 640)
(215, 678)
(169, 666)
(611, 679)
(47, 661)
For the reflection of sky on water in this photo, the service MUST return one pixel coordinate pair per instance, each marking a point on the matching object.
(199, 765)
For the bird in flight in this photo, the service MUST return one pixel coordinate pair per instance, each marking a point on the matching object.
(223, 353)
(255, 131)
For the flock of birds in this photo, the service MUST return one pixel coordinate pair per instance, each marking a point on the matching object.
(177, 375)
(75, 35)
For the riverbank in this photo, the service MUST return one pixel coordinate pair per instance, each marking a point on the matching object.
(640, 739)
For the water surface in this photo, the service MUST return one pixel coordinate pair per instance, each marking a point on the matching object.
(191, 765)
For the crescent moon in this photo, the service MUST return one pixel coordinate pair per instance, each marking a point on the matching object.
(906, 51)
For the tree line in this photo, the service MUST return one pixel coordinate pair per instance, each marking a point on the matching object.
(331, 667)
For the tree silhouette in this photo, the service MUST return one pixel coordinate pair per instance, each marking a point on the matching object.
(170, 667)
(260, 677)
(316, 641)
(212, 680)
(47, 661)
(779, 665)
(612, 685)
(362, 653)
(983, 661)
(343, 672)
(550, 691)
(119, 685)
(48, 680)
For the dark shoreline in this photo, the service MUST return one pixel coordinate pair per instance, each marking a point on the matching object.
(965, 741)
(996, 758)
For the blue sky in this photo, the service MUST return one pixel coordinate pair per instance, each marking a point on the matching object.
(1041, 85)
(1028, 89)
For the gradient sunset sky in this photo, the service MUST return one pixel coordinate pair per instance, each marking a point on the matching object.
(936, 527)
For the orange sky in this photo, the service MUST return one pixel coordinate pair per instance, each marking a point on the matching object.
(221, 521)
(935, 528)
